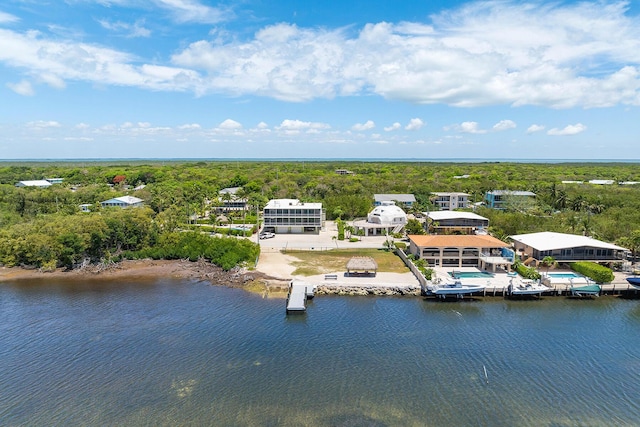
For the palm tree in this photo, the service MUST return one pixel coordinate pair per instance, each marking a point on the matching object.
(549, 261)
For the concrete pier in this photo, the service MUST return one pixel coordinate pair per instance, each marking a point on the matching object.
(299, 292)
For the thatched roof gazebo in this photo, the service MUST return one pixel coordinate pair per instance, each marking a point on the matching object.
(362, 266)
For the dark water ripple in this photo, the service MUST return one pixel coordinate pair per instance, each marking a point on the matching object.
(181, 353)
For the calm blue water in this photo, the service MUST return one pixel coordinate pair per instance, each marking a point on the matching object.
(172, 353)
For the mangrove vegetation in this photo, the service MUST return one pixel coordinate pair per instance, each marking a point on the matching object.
(45, 227)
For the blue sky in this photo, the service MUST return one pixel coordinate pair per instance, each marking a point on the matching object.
(319, 79)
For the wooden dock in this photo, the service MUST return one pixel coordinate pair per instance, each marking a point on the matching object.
(299, 293)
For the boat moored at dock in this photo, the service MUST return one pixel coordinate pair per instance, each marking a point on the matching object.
(526, 287)
(591, 289)
(634, 281)
(454, 289)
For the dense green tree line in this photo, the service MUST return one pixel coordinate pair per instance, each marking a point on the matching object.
(43, 226)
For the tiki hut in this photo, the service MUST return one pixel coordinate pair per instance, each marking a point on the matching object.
(362, 266)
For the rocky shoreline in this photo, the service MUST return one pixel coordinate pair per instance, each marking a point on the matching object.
(363, 290)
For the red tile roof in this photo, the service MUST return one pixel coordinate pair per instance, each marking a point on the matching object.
(456, 241)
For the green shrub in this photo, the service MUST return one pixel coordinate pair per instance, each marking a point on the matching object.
(596, 272)
(354, 239)
(427, 272)
(526, 272)
(401, 245)
(340, 230)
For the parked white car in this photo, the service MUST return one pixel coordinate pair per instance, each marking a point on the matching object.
(267, 235)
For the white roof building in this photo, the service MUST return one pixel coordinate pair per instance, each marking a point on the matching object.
(123, 202)
(41, 183)
(567, 247)
(467, 222)
(293, 216)
(407, 199)
(387, 214)
(602, 181)
(382, 220)
(444, 215)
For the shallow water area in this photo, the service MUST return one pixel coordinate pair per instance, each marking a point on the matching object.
(175, 352)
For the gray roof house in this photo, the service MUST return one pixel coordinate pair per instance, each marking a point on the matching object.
(405, 199)
(446, 222)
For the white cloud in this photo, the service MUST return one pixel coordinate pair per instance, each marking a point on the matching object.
(414, 124)
(52, 80)
(568, 130)
(43, 124)
(193, 11)
(190, 126)
(535, 128)
(77, 138)
(262, 125)
(300, 125)
(369, 124)
(181, 10)
(230, 125)
(23, 87)
(393, 127)
(484, 53)
(82, 126)
(470, 127)
(559, 55)
(54, 62)
(136, 29)
(7, 18)
(504, 125)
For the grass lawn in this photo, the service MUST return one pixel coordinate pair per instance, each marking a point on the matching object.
(313, 262)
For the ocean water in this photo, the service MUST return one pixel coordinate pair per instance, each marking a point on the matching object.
(169, 353)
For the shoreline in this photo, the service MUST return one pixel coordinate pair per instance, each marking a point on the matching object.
(263, 280)
(148, 269)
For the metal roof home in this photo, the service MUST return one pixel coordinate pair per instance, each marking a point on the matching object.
(566, 247)
(447, 221)
(123, 202)
(40, 183)
(407, 199)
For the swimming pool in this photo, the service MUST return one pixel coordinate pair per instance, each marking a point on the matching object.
(564, 275)
(470, 274)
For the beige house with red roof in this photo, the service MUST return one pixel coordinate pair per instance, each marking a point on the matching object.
(481, 251)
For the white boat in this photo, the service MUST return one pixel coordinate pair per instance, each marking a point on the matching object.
(526, 287)
(457, 289)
